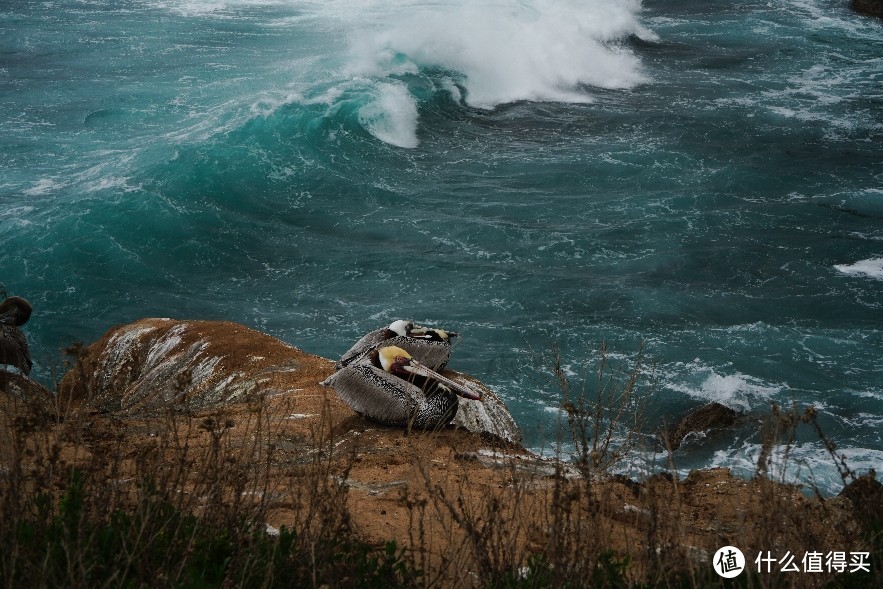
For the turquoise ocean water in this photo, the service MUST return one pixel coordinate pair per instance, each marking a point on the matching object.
(705, 177)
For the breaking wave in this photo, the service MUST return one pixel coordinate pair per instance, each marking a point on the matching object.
(485, 55)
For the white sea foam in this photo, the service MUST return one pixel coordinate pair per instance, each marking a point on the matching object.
(498, 51)
(817, 14)
(15, 217)
(43, 186)
(190, 7)
(506, 50)
(193, 8)
(871, 268)
(735, 390)
(481, 53)
(120, 183)
(392, 115)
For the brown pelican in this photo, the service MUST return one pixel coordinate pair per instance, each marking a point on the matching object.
(14, 312)
(389, 386)
(429, 345)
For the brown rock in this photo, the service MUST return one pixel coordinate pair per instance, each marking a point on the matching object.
(866, 496)
(22, 387)
(154, 364)
(454, 497)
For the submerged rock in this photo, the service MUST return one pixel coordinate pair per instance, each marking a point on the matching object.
(700, 420)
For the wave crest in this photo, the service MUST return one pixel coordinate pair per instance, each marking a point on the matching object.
(508, 51)
(392, 115)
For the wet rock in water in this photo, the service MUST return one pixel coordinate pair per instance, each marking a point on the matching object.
(869, 7)
(700, 420)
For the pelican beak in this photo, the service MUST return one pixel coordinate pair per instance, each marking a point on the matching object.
(415, 367)
(420, 332)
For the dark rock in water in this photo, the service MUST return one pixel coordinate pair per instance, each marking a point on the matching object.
(863, 488)
(869, 7)
(866, 495)
(702, 419)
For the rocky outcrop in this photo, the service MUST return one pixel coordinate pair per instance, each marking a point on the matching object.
(869, 7)
(866, 496)
(19, 386)
(153, 365)
(701, 420)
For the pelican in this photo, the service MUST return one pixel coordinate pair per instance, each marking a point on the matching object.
(389, 386)
(14, 312)
(429, 345)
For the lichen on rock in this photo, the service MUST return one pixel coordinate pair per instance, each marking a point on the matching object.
(153, 364)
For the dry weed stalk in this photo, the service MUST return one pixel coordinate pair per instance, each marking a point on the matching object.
(485, 525)
(606, 424)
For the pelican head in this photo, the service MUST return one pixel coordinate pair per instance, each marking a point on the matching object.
(408, 329)
(401, 327)
(399, 362)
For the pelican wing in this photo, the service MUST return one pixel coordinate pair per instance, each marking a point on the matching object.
(366, 343)
(432, 354)
(376, 394)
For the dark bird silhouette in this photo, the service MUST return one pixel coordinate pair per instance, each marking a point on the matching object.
(14, 312)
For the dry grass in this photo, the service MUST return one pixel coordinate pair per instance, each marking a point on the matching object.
(178, 499)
